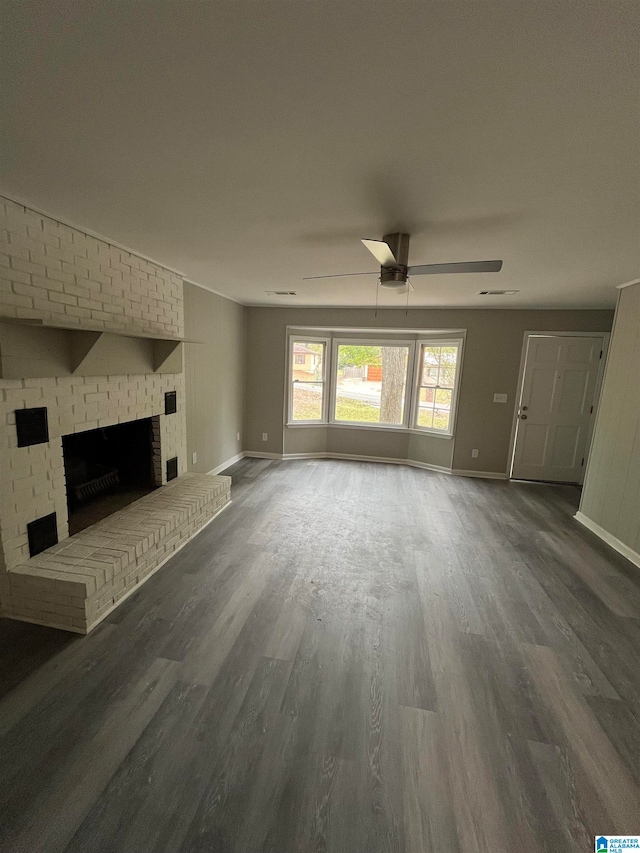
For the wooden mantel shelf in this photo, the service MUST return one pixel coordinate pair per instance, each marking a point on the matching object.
(36, 349)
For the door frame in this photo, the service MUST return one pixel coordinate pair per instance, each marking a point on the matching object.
(596, 394)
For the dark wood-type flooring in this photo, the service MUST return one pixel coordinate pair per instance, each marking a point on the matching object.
(353, 657)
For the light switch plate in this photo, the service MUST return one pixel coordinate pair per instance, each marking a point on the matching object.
(499, 398)
(194, 458)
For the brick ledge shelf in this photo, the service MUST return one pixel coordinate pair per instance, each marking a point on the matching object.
(75, 584)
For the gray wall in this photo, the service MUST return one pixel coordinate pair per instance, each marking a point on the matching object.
(214, 373)
(611, 494)
(491, 364)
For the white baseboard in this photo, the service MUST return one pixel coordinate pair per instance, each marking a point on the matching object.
(486, 475)
(609, 538)
(356, 457)
(227, 464)
(255, 454)
(388, 460)
(320, 455)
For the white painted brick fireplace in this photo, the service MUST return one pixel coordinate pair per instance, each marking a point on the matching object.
(54, 280)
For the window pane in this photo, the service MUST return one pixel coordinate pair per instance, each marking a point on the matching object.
(425, 417)
(307, 389)
(426, 401)
(307, 361)
(447, 377)
(306, 404)
(437, 378)
(448, 362)
(371, 383)
(441, 418)
(430, 376)
(443, 398)
(439, 365)
(430, 366)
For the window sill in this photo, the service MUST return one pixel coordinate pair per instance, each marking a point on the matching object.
(379, 428)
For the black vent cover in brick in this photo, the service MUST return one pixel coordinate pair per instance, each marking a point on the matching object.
(43, 533)
(172, 468)
(32, 426)
(170, 403)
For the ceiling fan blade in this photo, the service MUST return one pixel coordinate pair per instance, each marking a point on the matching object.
(465, 266)
(381, 252)
(338, 275)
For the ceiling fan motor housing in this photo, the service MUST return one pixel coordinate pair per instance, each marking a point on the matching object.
(396, 277)
(393, 279)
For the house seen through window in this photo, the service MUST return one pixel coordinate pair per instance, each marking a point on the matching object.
(307, 380)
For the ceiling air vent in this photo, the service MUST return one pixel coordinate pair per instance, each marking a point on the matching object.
(497, 292)
(281, 292)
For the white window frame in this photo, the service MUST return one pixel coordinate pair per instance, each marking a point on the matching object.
(442, 342)
(333, 383)
(413, 341)
(324, 381)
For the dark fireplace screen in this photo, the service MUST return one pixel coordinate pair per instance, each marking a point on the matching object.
(106, 469)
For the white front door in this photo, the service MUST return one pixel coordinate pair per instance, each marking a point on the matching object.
(556, 406)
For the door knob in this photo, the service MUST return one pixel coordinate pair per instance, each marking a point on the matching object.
(523, 417)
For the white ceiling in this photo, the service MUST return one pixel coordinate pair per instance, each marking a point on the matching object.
(249, 144)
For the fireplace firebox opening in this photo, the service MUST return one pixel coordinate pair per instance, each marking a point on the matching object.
(106, 469)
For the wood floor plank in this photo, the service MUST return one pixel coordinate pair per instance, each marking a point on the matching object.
(224, 804)
(481, 822)
(429, 818)
(569, 796)
(621, 723)
(618, 789)
(414, 675)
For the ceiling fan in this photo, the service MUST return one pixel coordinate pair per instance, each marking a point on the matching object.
(392, 253)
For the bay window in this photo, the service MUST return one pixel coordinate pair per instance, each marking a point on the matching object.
(408, 383)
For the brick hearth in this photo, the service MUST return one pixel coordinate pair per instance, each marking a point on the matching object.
(74, 584)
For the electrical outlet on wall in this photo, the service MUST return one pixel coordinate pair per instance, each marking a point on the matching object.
(194, 458)
(474, 453)
(237, 436)
(265, 436)
(499, 398)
